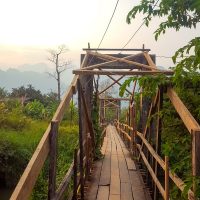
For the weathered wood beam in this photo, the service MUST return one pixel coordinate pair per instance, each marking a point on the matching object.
(179, 183)
(102, 65)
(52, 160)
(116, 81)
(65, 183)
(116, 105)
(88, 119)
(149, 60)
(81, 139)
(105, 89)
(85, 60)
(115, 99)
(108, 49)
(154, 177)
(27, 181)
(143, 66)
(124, 73)
(187, 118)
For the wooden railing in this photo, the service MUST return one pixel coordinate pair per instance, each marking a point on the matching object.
(150, 156)
(80, 167)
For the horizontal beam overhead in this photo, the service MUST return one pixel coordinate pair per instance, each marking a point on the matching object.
(107, 64)
(108, 49)
(112, 104)
(117, 82)
(114, 99)
(124, 73)
(123, 60)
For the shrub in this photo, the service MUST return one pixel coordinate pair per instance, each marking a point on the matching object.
(35, 110)
(13, 118)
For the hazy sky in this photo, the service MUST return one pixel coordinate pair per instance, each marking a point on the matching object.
(30, 27)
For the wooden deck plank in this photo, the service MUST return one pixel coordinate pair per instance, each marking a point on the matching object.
(103, 149)
(103, 193)
(114, 197)
(94, 181)
(123, 170)
(126, 192)
(118, 176)
(105, 172)
(115, 179)
(130, 163)
(137, 186)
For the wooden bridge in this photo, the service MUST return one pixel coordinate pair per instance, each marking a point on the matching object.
(131, 156)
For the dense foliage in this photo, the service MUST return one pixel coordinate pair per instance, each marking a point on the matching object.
(176, 14)
(176, 140)
(21, 128)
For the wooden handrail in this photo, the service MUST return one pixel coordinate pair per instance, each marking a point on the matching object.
(183, 112)
(65, 182)
(178, 182)
(157, 182)
(28, 179)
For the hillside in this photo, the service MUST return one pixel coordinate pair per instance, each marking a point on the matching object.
(13, 78)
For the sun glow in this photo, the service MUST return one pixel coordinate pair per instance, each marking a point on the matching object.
(45, 22)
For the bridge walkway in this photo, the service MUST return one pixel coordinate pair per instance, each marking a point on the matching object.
(115, 177)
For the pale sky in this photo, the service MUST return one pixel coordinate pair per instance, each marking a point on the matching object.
(30, 27)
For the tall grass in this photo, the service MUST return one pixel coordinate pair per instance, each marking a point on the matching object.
(17, 147)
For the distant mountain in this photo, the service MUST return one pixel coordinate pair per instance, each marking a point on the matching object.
(13, 78)
(38, 67)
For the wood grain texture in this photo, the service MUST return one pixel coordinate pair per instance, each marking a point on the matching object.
(126, 191)
(183, 112)
(124, 73)
(103, 193)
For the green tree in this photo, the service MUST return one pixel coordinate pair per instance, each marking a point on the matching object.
(3, 93)
(27, 93)
(176, 142)
(175, 14)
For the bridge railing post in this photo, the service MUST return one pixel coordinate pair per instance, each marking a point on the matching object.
(81, 139)
(52, 160)
(166, 178)
(195, 157)
(75, 175)
(88, 155)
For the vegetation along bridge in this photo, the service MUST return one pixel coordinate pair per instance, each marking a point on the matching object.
(130, 164)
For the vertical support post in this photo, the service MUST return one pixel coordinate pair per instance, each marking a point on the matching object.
(52, 160)
(80, 141)
(75, 175)
(88, 144)
(195, 156)
(166, 178)
(129, 124)
(104, 111)
(99, 112)
(158, 137)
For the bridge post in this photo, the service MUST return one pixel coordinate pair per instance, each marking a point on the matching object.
(75, 176)
(158, 137)
(52, 161)
(166, 178)
(195, 156)
(81, 138)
